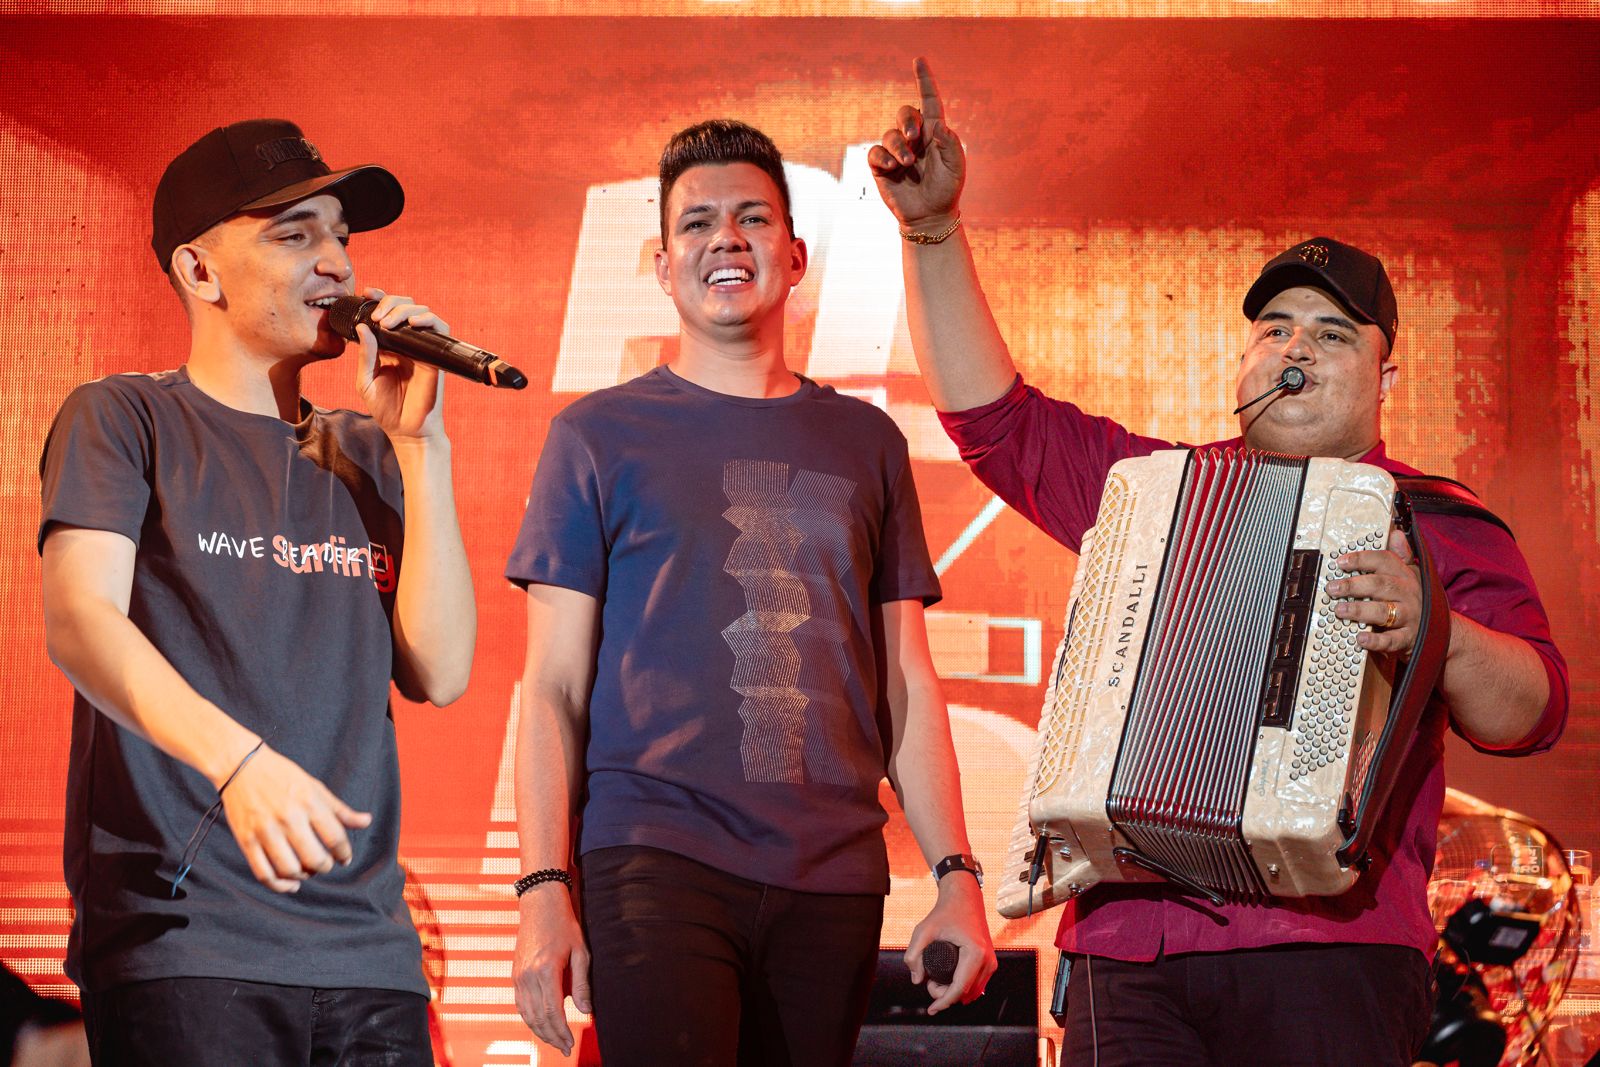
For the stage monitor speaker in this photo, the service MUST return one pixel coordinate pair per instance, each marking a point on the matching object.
(999, 1028)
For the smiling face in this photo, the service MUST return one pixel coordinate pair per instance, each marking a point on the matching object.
(729, 260)
(271, 273)
(1347, 371)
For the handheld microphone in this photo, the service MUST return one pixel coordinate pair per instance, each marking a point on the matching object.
(939, 961)
(1292, 379)
(425, 346)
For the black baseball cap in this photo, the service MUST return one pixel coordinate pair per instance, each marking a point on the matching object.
(260, 163)
(1357, 278)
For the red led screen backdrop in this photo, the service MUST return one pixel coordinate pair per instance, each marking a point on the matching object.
(1128, 178)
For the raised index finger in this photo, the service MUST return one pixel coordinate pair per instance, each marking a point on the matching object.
(932, 106)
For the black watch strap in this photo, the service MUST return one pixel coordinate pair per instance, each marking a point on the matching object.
(960, 861)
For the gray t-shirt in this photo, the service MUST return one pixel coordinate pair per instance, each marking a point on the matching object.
(741, 549)
(268, 555)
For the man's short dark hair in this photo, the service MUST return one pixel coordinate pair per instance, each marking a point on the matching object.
(721, 141)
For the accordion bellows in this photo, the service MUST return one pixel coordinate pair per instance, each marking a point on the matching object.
(1210, 722)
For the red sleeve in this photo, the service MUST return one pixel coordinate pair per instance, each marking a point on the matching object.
(1488, 581)
(1044, 457)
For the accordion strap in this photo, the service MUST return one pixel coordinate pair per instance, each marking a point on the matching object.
(1412, 688)
(1438, 495)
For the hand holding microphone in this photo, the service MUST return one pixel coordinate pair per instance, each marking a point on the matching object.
(425, 346)
(939, 961)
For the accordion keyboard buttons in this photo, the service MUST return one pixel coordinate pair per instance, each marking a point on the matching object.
(1334, 669)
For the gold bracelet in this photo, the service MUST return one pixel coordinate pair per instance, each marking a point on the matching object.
(916, 237)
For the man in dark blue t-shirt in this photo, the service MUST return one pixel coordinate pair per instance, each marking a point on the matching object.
(232, 578)
(726, 576)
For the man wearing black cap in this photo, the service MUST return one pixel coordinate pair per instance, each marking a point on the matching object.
(232, 578)
(1169, 977)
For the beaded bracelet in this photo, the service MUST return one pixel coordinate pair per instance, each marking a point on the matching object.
(549, 874)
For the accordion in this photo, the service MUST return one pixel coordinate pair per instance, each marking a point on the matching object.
(1210, 722)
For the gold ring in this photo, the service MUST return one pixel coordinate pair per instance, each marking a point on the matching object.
(1392, 617)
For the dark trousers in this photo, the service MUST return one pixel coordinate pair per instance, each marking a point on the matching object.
(216, 1022)
(694, 966)
(1294, 1005)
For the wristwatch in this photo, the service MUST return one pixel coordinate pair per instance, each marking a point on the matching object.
(960, 861)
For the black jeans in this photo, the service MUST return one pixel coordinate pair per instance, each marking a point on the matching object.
(695, 966)
(218, 1022)
(1294, 1005)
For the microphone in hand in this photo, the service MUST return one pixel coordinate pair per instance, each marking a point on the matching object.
(939, 961)
(425, 346)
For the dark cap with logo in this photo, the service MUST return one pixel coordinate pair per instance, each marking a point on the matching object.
(260, 163)
(1355, 277)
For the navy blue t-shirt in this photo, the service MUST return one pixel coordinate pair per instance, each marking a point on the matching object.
(740, 549)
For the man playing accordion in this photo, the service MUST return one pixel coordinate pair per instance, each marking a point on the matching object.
(1169, 976)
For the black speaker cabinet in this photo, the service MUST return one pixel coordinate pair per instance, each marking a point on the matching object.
(999, 1029)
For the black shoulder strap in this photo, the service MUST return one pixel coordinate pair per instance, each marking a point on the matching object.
(1435, 495)
(1413, 684)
